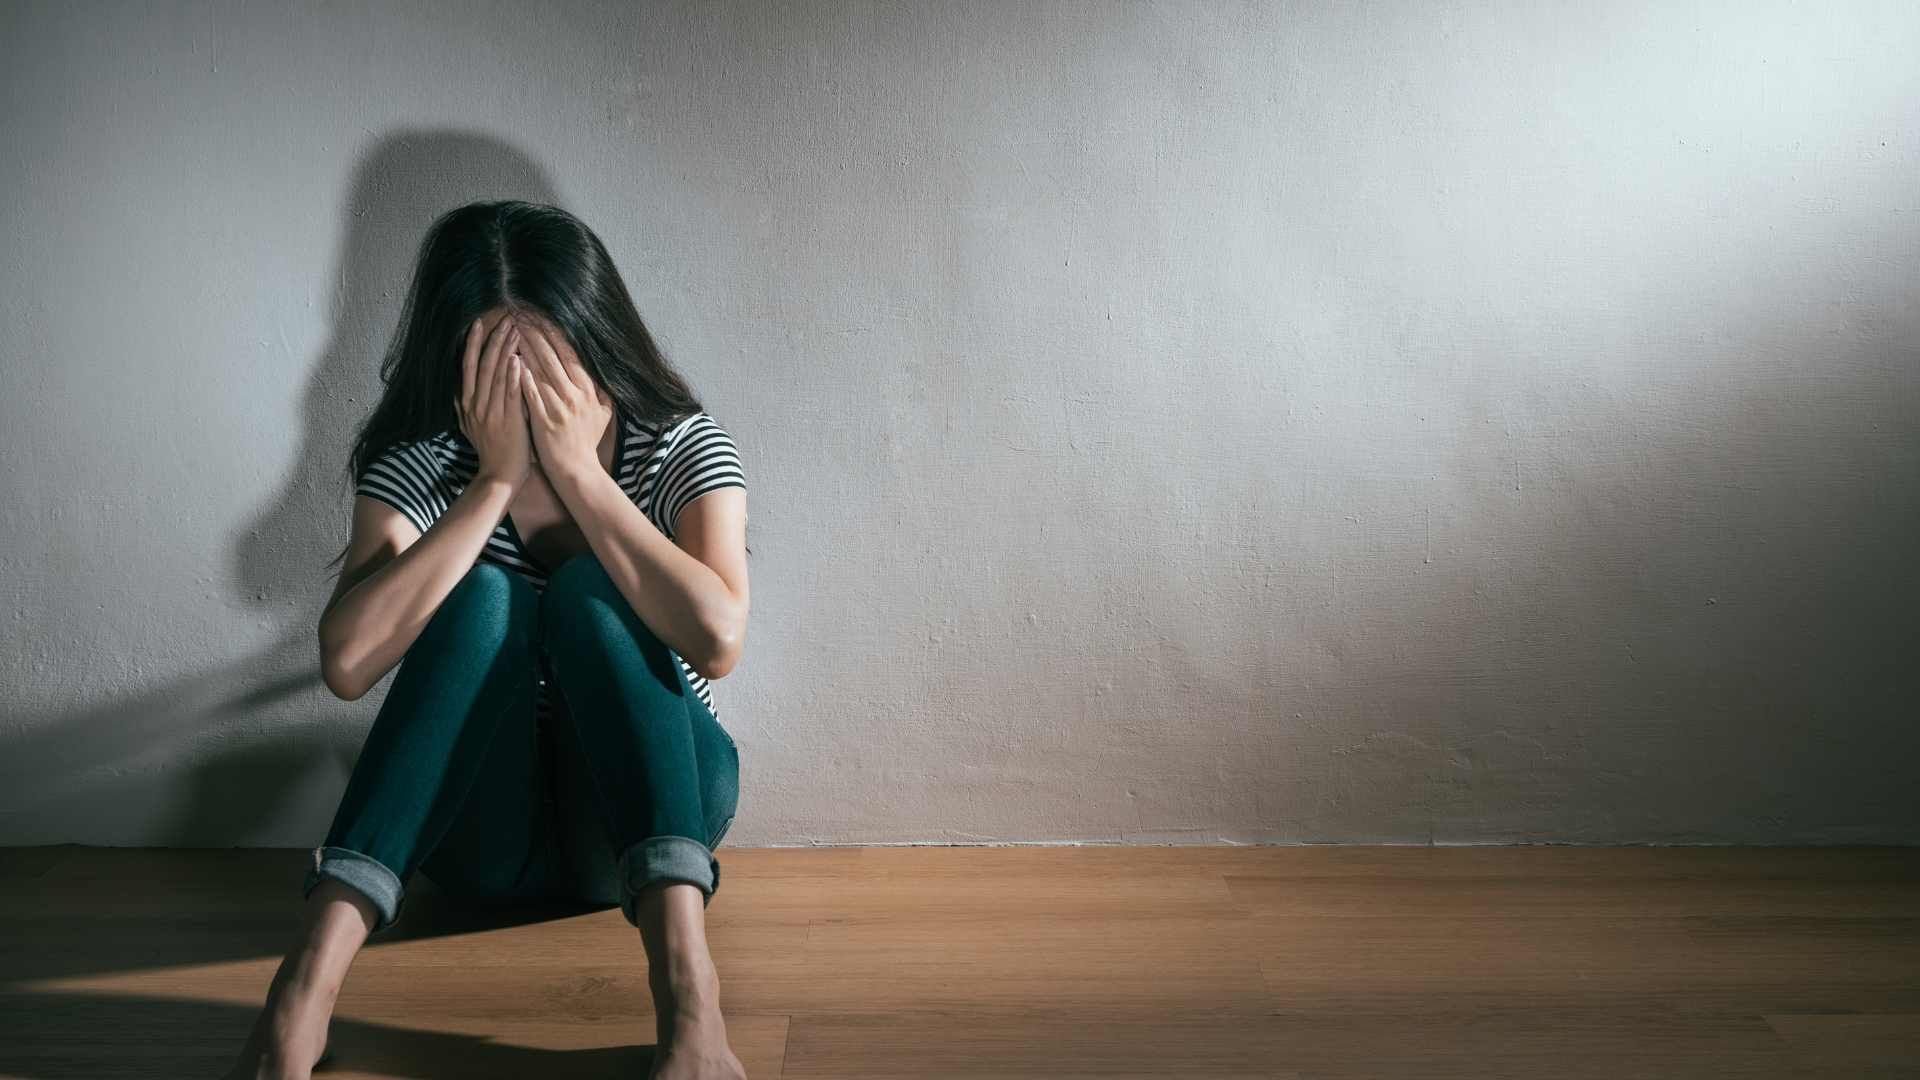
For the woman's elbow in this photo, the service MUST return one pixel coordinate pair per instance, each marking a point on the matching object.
(339, 676)
(341, 684)
(717, 663)
(340, 680)
(724, 646)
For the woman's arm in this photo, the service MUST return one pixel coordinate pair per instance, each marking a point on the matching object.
(693, 597)
(395, 578)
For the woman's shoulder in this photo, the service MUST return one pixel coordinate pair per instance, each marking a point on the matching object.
(699, 456)
(434, 442)
(666, 435)
(701, 423)
(414, 475)
(423, 460)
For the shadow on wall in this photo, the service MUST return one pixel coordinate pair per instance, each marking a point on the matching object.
(104, 756)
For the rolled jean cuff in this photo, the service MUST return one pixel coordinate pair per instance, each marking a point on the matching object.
(666, 858)
(363, 872)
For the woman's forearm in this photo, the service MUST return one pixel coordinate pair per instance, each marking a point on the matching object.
(680, 598)
(372, 625)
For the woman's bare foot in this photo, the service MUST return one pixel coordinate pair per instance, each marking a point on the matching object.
(290, 1035)
(693, 1034)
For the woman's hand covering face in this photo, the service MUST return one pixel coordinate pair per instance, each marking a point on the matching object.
(567, 411)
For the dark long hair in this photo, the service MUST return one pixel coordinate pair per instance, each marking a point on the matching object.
(527, 257)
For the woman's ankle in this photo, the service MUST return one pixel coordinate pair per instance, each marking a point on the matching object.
(337, 930)
(689, 985)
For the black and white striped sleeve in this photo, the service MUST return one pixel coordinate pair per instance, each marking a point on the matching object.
(703, 459)
(403, 476)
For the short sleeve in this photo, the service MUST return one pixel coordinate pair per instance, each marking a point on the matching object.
(702, 459)
(403, 477)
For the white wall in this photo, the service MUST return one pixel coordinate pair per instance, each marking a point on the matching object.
(1163, 422)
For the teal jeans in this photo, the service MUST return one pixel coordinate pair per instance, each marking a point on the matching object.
(635, 783)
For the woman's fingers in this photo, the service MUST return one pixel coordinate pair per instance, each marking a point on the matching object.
(488, 377)
(483, 376)
(477, 389)
(578, 373)
(503, 370)
(536, 403)
(469, 357)
(549, 363)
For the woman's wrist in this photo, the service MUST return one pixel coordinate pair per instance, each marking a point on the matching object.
(494, 488)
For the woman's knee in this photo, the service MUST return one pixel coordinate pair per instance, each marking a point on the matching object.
(489, 604)
(582, 599)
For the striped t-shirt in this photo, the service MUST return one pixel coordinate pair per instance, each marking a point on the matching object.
(661, 466)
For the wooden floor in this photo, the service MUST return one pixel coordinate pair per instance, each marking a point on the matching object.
(1028, 962)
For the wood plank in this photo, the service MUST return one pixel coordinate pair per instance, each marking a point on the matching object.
(1521, 897)
(1016, 964)
(21, 864)
(1096, 961)
(1458, 964)
(1863, 1044)
(1066, 1042)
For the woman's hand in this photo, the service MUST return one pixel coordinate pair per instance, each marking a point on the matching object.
(493, 414)
(566, 409)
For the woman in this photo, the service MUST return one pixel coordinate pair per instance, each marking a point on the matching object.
(549, 539)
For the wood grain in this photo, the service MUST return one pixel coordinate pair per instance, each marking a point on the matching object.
(1231, 963)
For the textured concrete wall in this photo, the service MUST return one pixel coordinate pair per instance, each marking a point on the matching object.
(1164, 422)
